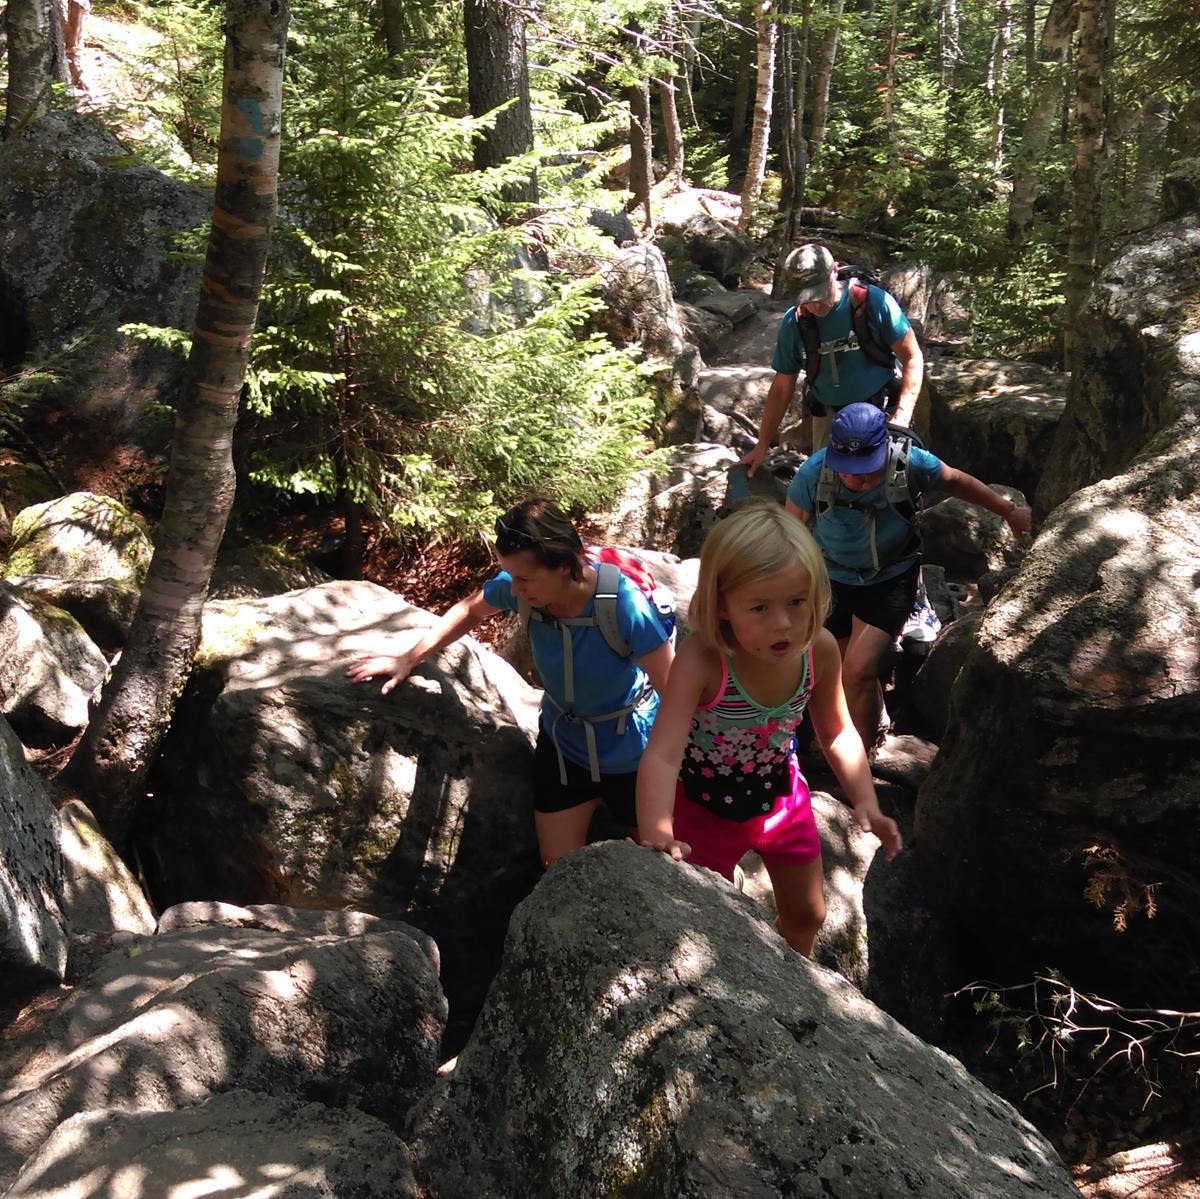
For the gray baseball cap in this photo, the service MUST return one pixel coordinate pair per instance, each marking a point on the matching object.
(806, 272)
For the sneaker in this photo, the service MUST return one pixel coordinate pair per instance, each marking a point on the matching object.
(739, 878)
(922, 626)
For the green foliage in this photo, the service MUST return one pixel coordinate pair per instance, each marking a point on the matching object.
(404, 364)
(1016, 309)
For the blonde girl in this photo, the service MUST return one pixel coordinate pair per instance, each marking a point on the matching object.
(719, 775)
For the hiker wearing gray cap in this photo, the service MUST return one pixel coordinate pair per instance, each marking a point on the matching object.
(851, 339)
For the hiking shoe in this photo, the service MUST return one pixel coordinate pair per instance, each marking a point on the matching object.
(922, 626)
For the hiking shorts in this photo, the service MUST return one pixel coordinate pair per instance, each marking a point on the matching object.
(885, 605)
(787, 834)
(618, 791)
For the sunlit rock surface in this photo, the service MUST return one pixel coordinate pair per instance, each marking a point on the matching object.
(649, 1034)
(993, 417)
(240, 1144)
(283, 782)
(49, 667)
(352, 1016)
(80, 536)
(33, 933)
(1139, 363)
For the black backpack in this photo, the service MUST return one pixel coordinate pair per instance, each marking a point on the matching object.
(860, 280)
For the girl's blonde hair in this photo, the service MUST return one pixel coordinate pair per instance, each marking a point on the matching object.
(755, 542)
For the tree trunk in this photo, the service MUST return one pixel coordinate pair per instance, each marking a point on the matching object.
(672, 129)
(1043, 107)
(1031, 51)
(800, 109)
(498, 72)
(995, 79)
(666, 97)
(394, 30)
(690, 43)
(948, 47)
(739, 122)
(35, 60)
(764, 95)
(889, 87)
(1147, 177)
(824, 77)
(119, 744)
(787, 135)
(641, 170)
(1089, 142)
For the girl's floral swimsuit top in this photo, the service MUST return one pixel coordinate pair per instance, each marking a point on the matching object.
(739, 759)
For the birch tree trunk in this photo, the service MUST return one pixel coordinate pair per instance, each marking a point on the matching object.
(824, 78)
(995, 79)
(497, 74)
(1043, 108)
(764, 96)
(120, 743)
(948, 46)
(1089, 142)
(1147, 175)
(36, 60)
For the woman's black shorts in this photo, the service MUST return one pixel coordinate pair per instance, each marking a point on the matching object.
(885, 605)
(619, 791)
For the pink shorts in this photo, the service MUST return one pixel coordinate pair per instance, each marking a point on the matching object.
(786, 834)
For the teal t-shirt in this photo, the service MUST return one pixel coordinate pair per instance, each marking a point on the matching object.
(844, 533)
(846, 376)
(604, 682)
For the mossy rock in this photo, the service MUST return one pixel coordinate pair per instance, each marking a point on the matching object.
(80, 536)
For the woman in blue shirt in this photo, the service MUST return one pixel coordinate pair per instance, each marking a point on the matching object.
(598, 706)
(871, 550)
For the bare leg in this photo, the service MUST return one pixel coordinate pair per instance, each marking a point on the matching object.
(800, 902)
(860, 678)
(561, 832)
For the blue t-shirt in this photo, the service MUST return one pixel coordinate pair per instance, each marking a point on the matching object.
(603, 681)
(846, 376)
(844, 534)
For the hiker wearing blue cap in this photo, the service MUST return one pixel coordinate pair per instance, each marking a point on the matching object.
(861, 496)
(851, 339)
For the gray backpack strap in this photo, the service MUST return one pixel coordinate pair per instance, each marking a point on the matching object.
(826, 489)
(896, 475)
(608, 580)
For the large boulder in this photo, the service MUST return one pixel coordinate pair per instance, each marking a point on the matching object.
(649, 1034)
(932, 688)
(704, 224)
(351, 1016)
(931, 299)
(239, 1143)
(83, 230)
(80, 536)
(49, 667)
(283, 782)
(968, 540)
(1062, 814)
(104, 608)
(993, 417)
(671, 507)
(33, 932)
(1136, 350)
(100, 895)
(1181, 189)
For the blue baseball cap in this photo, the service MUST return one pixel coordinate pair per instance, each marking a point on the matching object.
(858, 440)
